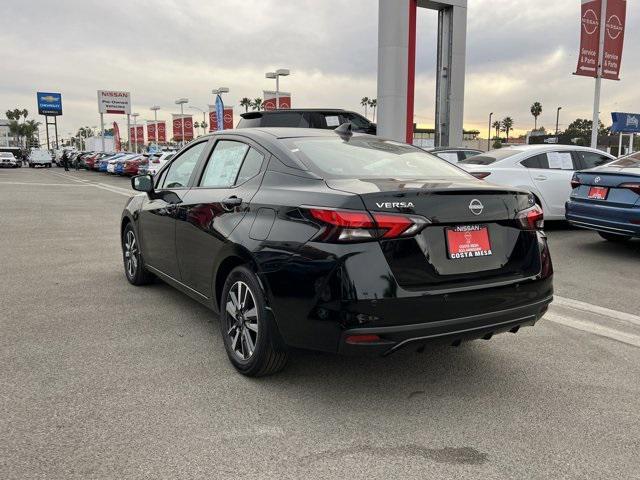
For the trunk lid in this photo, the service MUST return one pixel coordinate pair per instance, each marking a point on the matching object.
(610, 179)
(427, 261)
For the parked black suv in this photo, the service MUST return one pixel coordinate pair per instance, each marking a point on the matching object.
(325, 118)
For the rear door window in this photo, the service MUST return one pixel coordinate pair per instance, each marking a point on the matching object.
(591, 159)
(537, 161)
(560, 161)
(451, 157)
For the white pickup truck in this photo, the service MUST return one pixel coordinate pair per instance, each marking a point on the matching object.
(39, 157)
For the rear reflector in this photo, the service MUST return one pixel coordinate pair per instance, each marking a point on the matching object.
(634, 187)
(362, 339)
(480, 175)
(575, 182)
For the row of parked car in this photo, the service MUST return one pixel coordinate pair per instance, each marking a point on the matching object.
(119, 163)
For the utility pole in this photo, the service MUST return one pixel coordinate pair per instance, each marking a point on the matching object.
(596, 94)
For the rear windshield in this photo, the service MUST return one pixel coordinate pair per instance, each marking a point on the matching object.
(369, 157)
(630, 161)
(490, 157)
(279, 119)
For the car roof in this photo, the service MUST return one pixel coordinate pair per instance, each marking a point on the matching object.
(545, 147)
(453, 149)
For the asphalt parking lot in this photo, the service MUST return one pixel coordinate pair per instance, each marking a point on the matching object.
(101, 379)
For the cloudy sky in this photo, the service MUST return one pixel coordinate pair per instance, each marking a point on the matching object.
(518, 52)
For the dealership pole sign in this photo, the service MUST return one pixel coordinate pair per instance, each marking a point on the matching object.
(625, 122)
(110, 101)
(49, 104)
(601, 58)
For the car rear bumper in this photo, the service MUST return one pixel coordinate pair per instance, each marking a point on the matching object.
(604, 218)
(451, 331)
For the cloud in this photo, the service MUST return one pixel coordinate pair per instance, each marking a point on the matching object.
(518, 52)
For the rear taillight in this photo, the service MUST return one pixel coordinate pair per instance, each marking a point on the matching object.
(634, 187)
(480, 175)
(359, 226)
(155, 161)
(531, 218)
(575, 182)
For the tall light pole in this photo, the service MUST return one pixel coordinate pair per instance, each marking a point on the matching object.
(181, 102)
(281, 72)
(204, 118)
(489, 136)
(135, 131)
(155, 109)
(558, 118)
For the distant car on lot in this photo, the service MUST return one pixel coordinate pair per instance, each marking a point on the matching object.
(40, 157)
(7, 159)
(336, 242)
(324, 118)
(454, 155)
(132, 165)
(607, 199)
(157, 161)
(544, 170)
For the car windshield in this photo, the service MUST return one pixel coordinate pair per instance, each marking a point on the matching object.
(630, 161)
(6, 155)
(490, 157)
(369, 157)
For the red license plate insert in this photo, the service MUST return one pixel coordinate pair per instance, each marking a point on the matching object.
(468, 241)
(598, 193)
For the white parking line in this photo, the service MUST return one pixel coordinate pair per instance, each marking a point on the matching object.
(103, 186)
(44, 184)
(561, 312)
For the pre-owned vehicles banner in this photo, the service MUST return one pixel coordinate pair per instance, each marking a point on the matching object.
(110, 101)
(178, 121)
(614, 38)
(213, 120)
(589, 38)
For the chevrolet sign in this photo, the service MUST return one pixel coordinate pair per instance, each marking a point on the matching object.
(49, 104)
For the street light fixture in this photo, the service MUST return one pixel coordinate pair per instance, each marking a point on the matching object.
(155, 109)
(135, 131)
(281, 72)
(558, 118)
(181, 102)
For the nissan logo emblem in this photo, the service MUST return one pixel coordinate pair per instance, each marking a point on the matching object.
(476, 206)
(597, 179)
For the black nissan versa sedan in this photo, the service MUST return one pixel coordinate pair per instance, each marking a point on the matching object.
(337, 242)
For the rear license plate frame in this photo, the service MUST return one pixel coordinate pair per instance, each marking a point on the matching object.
(604, 193)
(478, 247)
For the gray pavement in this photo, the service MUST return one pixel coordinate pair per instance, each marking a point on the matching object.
(100, 379)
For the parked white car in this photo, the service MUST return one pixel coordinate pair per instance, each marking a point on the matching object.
(39, 157)
(7, 159)
(157, 162)
(545, 170)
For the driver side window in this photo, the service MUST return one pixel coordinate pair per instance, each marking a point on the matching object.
(180, 170)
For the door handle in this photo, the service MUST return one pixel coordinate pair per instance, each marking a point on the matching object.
(540, 177)
(231, 202)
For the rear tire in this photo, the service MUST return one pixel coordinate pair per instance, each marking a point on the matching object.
(133, 266)
(614, 237)
(249, 333)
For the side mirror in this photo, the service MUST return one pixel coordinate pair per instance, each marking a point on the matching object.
(142, 183)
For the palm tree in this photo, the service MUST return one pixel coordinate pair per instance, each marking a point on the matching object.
(365, 103)
(536, 110)
(497, 126)
(256, 104)
(30, 128)
(246, 103)
(507, 124)
(373, 103)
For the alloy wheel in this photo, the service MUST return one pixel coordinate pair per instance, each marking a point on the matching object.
(242, 320)
(131, 254)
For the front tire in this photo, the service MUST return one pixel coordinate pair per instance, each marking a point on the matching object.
(133, 268)
(250, 336)
(614, 237)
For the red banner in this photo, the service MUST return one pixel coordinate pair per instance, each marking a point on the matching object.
(269, 102)
(178, 122)
(589, 38)
(162, 132)
(213, 121)
(136, 134)
(151, 131)
(614, 38)
(116, 137)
